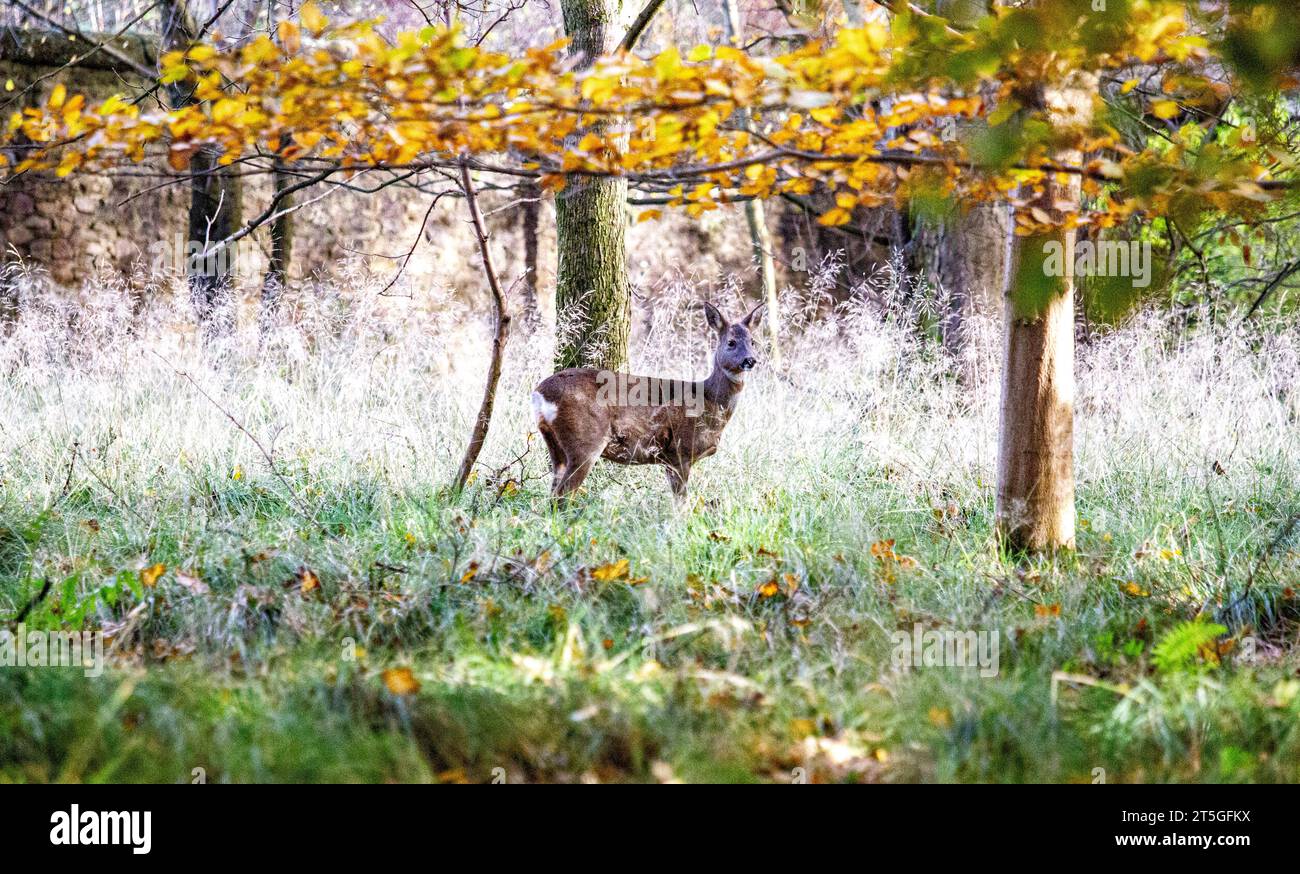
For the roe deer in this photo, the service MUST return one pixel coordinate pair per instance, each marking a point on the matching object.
(585, 413)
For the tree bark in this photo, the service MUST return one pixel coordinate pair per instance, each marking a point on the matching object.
(216, 196)
(532, 209)
(965, 254)
(277, 267)
(760, 238)
(593, 298)
(1035, 500)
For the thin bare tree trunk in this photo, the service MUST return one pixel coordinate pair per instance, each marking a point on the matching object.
(501, 331)
(1035, 499)
(593, 297)
(760, 238)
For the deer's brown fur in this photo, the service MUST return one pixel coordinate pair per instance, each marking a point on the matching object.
(581, 420)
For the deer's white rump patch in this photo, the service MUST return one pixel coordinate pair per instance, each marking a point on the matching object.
(543, 409)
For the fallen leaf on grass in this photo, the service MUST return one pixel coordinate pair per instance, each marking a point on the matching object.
(149, 576)
(401, 681)
(1135, 590)
(307, 580)
(607, 573)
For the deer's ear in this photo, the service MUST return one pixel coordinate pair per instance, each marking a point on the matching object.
(755, 317)
(717, 321)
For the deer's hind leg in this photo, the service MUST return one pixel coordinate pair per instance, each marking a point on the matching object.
(558, 466)
(578, 462)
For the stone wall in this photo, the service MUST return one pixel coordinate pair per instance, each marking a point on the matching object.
(133, 218)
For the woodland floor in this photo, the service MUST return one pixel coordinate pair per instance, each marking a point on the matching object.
(339, 617)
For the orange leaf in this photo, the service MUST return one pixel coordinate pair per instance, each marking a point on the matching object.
(613, 571)
(307, 580)
(401, 681)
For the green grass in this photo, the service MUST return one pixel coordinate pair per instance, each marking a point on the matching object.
(533, 668)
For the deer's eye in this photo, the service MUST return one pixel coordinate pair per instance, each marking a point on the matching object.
(731, 344)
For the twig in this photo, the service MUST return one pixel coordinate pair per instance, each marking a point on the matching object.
(638, 27)
(34, 600)
(479, 433)
(261, 447)
(72, 462)
(1268, 289)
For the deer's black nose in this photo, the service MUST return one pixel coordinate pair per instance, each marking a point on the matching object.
(748, 364)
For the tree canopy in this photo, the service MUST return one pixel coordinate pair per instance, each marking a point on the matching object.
(867, 113)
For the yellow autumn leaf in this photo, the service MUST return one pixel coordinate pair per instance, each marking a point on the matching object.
(307, 580)
(313, 19)
(835, 217)
(401, 681)
(290, 37)
(1164, 109)
(70, 162)
(149, 576)
(57, 96)
(612, 571)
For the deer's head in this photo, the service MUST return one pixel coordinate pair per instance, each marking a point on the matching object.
(735, 351)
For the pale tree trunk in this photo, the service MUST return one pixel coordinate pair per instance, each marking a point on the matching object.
(593, 298)
(760, 239)
(1035, 500)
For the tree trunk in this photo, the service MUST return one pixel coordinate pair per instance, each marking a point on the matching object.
(965, 254)
(1035, 500)
(760, 239)
(216, 201)
(277, 267)
(532, 209)
(593, 299)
